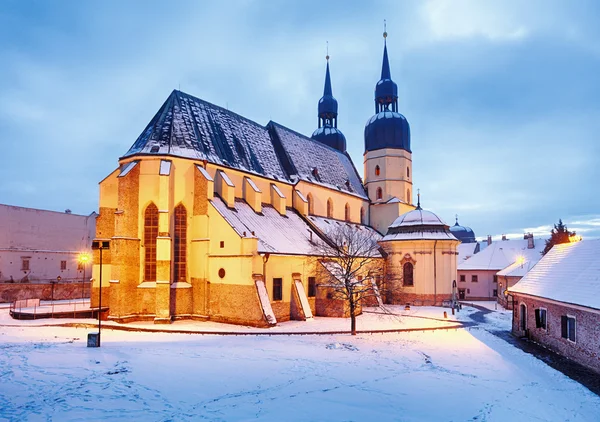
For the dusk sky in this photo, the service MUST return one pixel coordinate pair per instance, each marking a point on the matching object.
(503, 97)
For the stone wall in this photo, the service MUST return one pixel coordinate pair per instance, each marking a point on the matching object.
(586, 348)
(9, 292)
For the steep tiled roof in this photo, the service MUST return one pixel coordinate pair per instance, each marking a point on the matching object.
(186, 126)
(333, 168)
(569, 273)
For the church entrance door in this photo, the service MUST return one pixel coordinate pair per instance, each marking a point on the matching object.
(461, 294)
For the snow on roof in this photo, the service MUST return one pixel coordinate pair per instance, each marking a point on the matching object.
(503, 253)
(325, 225)
(417, 217)
(288, 234)
(419, 235)
(465, 251)
(569, 273)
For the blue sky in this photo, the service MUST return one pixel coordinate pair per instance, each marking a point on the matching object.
(503, 97)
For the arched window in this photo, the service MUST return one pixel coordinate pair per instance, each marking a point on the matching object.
(329, 208)
(150, 234)
(407, 171)
(180, 244)
(377, 171)
(408, 196)
(362, 215)
(311, 204)
(347, 212)
(379, 194)
(408, 274)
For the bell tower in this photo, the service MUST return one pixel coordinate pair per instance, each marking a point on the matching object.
(387, 157)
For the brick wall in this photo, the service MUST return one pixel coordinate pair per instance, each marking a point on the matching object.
(585, 349)
(9, 292)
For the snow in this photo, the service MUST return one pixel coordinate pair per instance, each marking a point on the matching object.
(418, 217)
(265, 303)
(568, 273)
(503, 253)
(465, 251)
(443, 375)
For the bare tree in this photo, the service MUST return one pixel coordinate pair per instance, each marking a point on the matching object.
(349, 258)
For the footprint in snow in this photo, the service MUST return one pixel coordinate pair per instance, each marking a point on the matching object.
(341, 346)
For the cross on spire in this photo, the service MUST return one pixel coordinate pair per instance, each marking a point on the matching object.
(418, 199)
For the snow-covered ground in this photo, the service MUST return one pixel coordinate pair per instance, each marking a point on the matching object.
(48, 373)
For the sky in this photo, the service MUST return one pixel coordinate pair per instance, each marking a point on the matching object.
(503, 97)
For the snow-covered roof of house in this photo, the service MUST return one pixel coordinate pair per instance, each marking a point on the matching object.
(186, 126)
(569, 273)
(466, 250)
(503, 253)
(520, 267)
(418, 224)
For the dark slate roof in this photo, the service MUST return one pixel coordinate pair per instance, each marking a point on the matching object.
(189, 127)
(186, 126)
(333, 168)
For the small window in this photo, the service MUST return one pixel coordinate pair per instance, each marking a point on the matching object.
(495, 293)
(25, 264)
(408, 272)
(347, 213)
(312, 287)
(495, 279)
(407, 171)
(329, 208)
(568, 325)
(540, 318)
(468, 291)
(222, 244)
(463, 277)
(377, 171)
(63, 265)
(379, 194)
(277, 289)
(474, 278)
(311, 204)
(222, 272)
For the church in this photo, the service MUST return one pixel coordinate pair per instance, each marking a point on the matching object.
(212, 216)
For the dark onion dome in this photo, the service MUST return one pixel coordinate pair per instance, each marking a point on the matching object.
(387, 128)
(330, 136)
(328, 133)
(462, 233)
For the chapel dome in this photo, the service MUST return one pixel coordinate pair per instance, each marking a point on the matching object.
(330, 136)
(387, 129)
(463, 233)
(418, 224)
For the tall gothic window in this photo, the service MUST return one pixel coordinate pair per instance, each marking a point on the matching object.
(311, 204)
(150, 234)
(329, 208)
(407, 171)
(347, 213)
(408, 274)
(362, 215)
(379, 193)
(180, 243)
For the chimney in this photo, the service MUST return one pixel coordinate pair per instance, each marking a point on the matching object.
(504, 237)
(530, 241)
(489, 239)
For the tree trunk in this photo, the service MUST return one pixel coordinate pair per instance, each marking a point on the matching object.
(352, 319)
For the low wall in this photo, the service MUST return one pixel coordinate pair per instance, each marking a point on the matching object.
(9, 292)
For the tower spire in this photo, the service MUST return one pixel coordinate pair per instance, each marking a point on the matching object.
(419, 199)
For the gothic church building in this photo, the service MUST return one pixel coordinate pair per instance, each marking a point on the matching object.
(212, 216)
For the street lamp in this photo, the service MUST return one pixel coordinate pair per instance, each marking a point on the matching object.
(83, 259)
(52, 283)
(94, 341)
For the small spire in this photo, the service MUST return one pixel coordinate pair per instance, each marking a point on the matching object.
(456, 216)
(327, 90)
(385, 68)
(384, 30)
(327, 48)
(419, 199)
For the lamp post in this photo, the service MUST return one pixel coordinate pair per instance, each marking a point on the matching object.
(52, 283)
(83, 259)
(99, 245)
